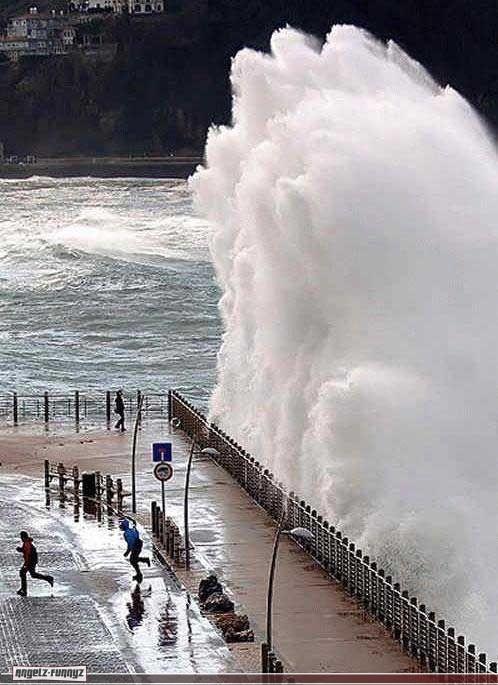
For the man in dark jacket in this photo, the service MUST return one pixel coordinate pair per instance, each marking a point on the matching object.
(119, 409)
(30, 560)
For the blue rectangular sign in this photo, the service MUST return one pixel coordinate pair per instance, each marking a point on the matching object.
(161, 451)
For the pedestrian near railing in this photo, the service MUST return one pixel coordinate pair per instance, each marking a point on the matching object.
(417, 629)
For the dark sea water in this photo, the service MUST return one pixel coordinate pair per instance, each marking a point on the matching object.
(105, 283)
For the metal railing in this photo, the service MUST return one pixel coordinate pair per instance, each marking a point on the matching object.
(101, 485)
(420, 633)
(78, 406)
(166, 532)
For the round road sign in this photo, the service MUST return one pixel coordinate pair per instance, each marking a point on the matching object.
(163, 471)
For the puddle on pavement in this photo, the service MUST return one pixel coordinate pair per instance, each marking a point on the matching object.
(155, 625)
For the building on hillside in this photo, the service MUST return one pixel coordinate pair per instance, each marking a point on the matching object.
(37, 34)
(140, 7)
(104, 6)
(148, 7)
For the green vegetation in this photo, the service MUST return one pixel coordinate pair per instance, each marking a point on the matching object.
(167, 80)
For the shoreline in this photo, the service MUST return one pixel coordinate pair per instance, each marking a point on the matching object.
(104, 167)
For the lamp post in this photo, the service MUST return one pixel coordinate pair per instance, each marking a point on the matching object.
(134, 453)
(301, 534)
(208, 451)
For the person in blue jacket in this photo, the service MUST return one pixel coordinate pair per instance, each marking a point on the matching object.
(134, 547)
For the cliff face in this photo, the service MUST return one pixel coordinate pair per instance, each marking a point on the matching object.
(167, 79)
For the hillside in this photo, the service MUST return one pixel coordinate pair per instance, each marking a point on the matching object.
(168, 80)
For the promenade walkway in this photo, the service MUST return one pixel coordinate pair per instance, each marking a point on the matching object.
(94, 616)
(317, 627)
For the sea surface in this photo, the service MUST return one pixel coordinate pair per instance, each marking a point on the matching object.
(105, 283)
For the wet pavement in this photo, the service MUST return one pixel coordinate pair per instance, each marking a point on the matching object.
(95, 615)
(317, 626)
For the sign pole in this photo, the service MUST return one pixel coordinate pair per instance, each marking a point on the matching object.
(163, 471)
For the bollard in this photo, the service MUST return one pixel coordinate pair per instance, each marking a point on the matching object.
(170, 537)
(89, 485)
(61, 471)
(153, 507)
(47, 473)
(15, 409)
(264, 657)
(76, 479)
(109, 490)
(119, 492)
(77, 406)
(177, 540)
(160, 525)
(108, 407)
(98, 484)
(46, 409)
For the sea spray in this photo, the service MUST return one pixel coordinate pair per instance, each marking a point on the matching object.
(354, 204)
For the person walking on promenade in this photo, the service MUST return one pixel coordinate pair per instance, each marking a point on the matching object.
(134, 547)
(30, 555)
(119, 409)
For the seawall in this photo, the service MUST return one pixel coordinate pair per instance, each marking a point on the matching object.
(104, 167)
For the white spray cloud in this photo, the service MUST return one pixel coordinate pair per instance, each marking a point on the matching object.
(354, 206)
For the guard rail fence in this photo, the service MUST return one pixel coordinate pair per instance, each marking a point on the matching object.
(417, 629)
(77, 406)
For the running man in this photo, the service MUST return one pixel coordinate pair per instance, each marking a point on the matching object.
(134, 548)
(30, 555)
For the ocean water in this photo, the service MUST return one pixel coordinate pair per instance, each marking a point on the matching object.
(105, 283)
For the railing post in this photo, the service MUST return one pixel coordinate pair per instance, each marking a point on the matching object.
(76, 479)
(46, 408)
(61, 470)
(98, 486)
(108, 407)
(108, 489)
(15, 408)
(119, 493)
(77, 406)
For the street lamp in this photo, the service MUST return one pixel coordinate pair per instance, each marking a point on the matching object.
(209, 452)
(301, 534)
(134, 453)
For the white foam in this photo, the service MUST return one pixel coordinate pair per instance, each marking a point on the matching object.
(354, 205)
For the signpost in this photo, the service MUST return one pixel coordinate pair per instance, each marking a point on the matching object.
(163, 471)
(161, 451)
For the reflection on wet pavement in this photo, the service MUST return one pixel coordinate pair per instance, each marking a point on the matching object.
(110, 623)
